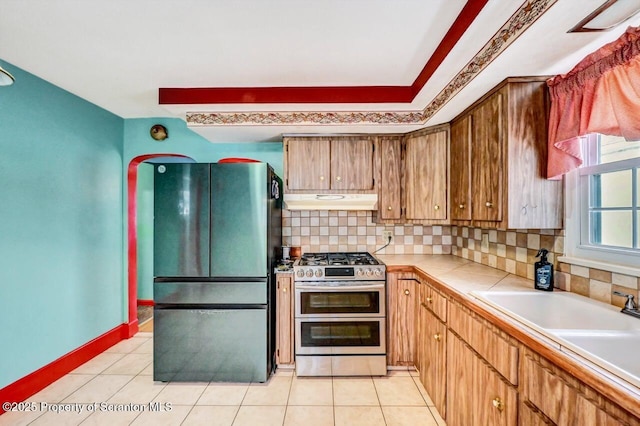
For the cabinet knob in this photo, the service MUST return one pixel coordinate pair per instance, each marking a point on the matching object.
(430, 299)
(389, 208)
(497, 403)
(406, 292)
(488, 204)
(338, 178)
(284, 289)
(437, 337)
(321, 177)
(436, 207)
(461, 206)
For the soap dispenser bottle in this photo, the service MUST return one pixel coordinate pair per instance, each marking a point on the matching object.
(543, 272)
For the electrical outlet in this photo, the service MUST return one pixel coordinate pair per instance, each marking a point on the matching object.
(484, 244)
(387, 235)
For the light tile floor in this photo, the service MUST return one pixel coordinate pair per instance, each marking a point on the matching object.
(121, 378)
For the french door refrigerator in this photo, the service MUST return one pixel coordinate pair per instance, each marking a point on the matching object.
(217, 230)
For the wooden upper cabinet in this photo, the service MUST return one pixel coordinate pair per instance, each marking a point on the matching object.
(426, 176)
(486, 163)
(308, 163)
(389, 197)
(352, 164)
(460, 180)
(325, 164)
(505, 136)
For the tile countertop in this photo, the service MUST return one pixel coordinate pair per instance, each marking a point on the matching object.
(460, 274)
(463, 277)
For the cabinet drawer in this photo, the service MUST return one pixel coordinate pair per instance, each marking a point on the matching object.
(562, 398)
(433, 300)
(548, 392)
(488, 341)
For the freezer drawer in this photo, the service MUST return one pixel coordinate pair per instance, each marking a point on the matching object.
(210, 292)
(210, 345)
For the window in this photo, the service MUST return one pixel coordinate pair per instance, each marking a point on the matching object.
(603, 202)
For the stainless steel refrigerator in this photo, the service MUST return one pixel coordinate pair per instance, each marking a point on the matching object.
(217, 232)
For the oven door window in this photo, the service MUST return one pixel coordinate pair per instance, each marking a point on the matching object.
(347, 333)
(352, 302)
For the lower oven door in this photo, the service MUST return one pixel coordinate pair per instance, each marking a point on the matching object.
(353, 299)
(334, 336)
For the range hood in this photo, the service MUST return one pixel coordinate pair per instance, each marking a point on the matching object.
(331, 201)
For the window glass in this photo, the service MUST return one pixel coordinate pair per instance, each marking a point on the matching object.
(612, 228)
(611, 189)
(616, 148)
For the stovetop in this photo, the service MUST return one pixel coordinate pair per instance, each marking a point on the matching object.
(337, 259)
(355, 266)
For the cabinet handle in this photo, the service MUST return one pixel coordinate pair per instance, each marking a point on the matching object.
(461, 206)
(338, 178)
(429, 299)
(488, 204)
(497, 403)
(436, 207)
(437, 337)
(321, 177)
(406, 292)
(389, 208)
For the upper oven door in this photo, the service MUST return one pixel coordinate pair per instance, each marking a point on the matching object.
(340, 299)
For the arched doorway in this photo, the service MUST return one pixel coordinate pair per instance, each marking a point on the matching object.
(132, 234)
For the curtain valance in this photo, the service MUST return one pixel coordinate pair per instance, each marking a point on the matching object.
(599, 95)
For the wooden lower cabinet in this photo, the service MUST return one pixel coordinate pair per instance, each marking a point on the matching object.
(476, 394)
(284, 320)
(402, 302)
(562, 398)
(432, 355)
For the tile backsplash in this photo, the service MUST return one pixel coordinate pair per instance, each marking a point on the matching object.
(512, 251)
(329, 230)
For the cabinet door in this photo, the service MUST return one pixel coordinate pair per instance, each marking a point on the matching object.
(284, 320)
(475, 392)
(426, 176)
(389, 203)
(433, 344)
(460, 181)
(487, 160)
(402, 300)
(308, 162)
(352, 164)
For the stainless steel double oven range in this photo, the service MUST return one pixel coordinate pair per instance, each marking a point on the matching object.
(340, 315)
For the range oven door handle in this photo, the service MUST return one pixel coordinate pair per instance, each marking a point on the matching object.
(339, 288)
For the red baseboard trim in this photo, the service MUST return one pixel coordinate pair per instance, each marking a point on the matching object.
(33, 383)
(144, 302)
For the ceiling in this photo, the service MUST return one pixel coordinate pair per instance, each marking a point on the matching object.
(266, 68)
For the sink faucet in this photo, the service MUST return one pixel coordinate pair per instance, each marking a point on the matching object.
(630, 306)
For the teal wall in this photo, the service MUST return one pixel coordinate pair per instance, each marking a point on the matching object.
(182, 140)
(61, 223)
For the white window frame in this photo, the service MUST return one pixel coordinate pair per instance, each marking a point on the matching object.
(577, 249)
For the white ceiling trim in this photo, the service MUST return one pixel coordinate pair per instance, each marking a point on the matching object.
(516, 25)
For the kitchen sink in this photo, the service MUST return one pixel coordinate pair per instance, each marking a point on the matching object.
(615, 351)
(580, 326)
(558, 310)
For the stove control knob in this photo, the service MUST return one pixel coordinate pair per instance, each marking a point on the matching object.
(310, 273)
(318, 272)
(378, 273)
(368, 272)
(300, 273)
(360, 272)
